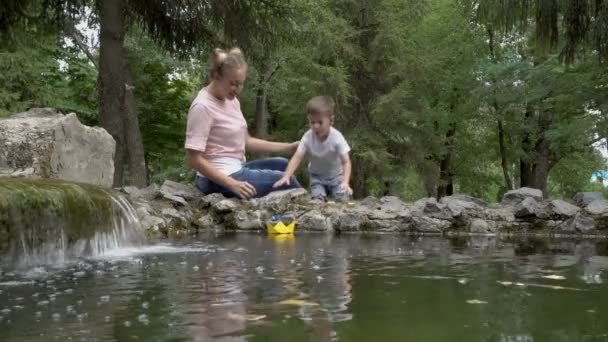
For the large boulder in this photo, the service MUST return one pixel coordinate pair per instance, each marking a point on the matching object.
(582, 199)
(42, 143)
(515, 197)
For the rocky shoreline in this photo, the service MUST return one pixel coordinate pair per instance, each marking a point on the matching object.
(178, 210)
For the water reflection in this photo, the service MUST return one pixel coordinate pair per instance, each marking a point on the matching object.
(319, 288)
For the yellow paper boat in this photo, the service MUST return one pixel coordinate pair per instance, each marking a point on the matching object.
(280, 228)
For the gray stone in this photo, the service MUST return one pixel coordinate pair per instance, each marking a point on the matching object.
(153, 223)
(582, 199)
(350, 222)
(459, 204)
(209, 200)
(464, 198)
(391, 204)
(597, 207)
(479, 226)
(506, 214)
(205, 221)
(150, 192)
(130, 190)
(142, 212)
(314, 220)
(280, 201)
(514, 197)
(370, 201)
(225, 206)
(185, 191)
(527, 208)
(425, 224)
(249, 220)
(428, 205)
(579, 223)
(562, 210)
(42, 143)
(184, 217)
(175, 199)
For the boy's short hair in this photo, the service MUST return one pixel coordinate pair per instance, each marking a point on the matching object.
(321, 105)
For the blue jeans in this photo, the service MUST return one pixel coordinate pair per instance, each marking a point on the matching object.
(261, 174)
(321, 187)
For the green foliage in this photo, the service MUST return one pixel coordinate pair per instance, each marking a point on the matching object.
(31, 75)
(164, 88)
(573, 173)
(415, 85)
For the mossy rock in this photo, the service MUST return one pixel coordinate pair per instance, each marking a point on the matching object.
(32, 211)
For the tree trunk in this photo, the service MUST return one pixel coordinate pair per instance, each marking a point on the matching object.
(359, 185)
(135, 146)
(261, 109)
(111, 89)
(446, 174)
(503, 156)
(535, 166)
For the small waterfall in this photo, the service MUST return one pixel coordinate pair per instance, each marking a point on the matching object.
(53, 222)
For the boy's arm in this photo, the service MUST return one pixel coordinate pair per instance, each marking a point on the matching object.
(347, 169)
(293, 164)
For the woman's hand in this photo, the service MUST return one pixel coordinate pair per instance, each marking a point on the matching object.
(242, 189)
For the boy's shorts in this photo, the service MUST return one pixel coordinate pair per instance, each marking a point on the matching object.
(321, 188)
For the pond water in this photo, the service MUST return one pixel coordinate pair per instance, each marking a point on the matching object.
(317, 288)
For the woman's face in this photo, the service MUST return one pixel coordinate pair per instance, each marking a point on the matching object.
(232, 81)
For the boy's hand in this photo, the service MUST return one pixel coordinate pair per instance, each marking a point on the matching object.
(346, 188)
(284, 180)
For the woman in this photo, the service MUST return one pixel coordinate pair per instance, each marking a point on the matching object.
(216, 136)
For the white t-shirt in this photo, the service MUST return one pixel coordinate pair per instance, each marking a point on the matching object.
(324, 156)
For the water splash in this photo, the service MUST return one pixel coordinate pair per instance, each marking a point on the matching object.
(49, 222)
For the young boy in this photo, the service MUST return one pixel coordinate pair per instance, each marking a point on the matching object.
(327, 151)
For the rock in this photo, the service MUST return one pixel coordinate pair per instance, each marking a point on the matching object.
(459, 204)
(561, 210)
(225, 206)
(579, 223)
(184, 217)
(314, 220)
(280, 201)
(425, 224)
(205, 221)
(391, 204)
(249, 220)
(42, 143)
(479, 226)
(130, 190)
(369, 201)
(582, 199)
(149, 193)
(514, 197)
(387, 226)
(498, 214)
(209, 200)
(185, 191)
(464, 198)
(350, 222)
(597, 207)
(428, 205)
(527, 208)
(142, 212)
(175, 199)
(153, 223)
